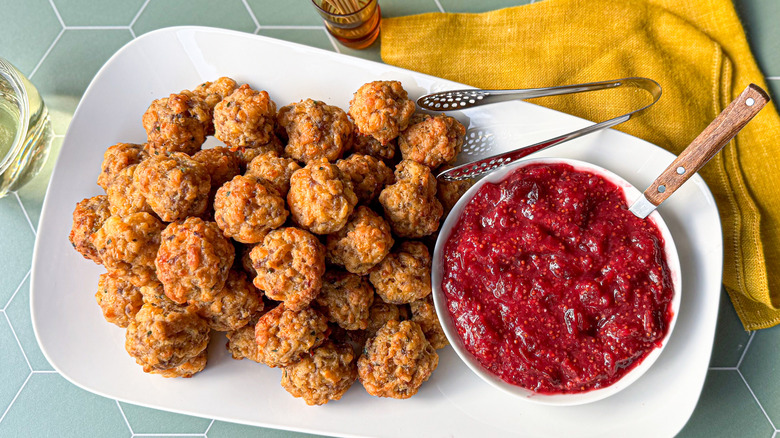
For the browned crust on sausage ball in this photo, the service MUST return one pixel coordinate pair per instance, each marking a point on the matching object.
(284, 335)
(187, 369)
(273, 169)
(233, 306)
(433, 141)
(246, 209)
(324, 375)
(193, 260)
(368, 145)
(368, 175)
(381, 109)
(380, 312)
(129, 244)
(116, 158)
(315, 130)
(245, 118)
(123, 197)
(118, 298)
(410, 205)
(404, 275)
(220, 163)
(449, 192)
(88, 216)
(345, 299)
(153, 293)
(362, 243)
(397, 360)
(321, 197)
(177, 123)
(175, 186)
(424, 313)
(247, 154)
(214, 92)
(289, 265)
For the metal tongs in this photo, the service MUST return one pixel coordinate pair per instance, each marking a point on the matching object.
(468, 98)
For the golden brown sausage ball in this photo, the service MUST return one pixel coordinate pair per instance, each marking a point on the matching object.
(424, 313)
(233, 306)
(123, 197)
(116, 158)
(220, 163)
(153, 293)
(404, 275)
(433, 141)
(362, 243)
(245, 118)
(247, 154)
(315, 130)
(178, 123)
(273, 169)
(214, 92)
(284, 335)
(193, 260)
(321, 197)
(88, 216)
(345, 299)
(246, 209)
(368, 175)
(410, 205)
(397, 360)
(380, 312)
(187, 369)
(129, 244)
(289, 265)
(324, 375)
(449, 192)
(368, 145)
(118, 298)
(381, 109)
(160, 340)
(241, 343)
(175, 186)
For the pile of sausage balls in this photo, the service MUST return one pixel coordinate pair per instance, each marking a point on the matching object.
(306, 238)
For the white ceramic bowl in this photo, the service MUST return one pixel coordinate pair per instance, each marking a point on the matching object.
(440, 299)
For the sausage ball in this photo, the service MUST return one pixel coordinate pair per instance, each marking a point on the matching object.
(88, 216)
(404, 275)
(433, 140)
(397, 360)
(324, 375)
(129, 244)
(289, 265)
(315, 130)
(246, 209)
(193, 260)
(233, 306)
(410, 205)
(381, 109)
(345, 299)
(153, 293)
(247, 154)
(274, 170)
(187, 369)
(214, 92)
(368, 175)
(284, 335)
(175, 186)
(241, 342)
(123, 197)
(116, 158)
(220, 163)
(380, 312)
(360, 245)
(178, 123)
(118, 298)
(368, 145)
(245, 118)
(449, 192)
(424, 313)
(160, 340)
(321, 197)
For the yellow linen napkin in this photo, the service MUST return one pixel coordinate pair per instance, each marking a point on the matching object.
(696, 50)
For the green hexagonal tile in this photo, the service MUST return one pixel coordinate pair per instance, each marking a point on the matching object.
(730, 336)
(760, 18)
(32, 193)
(49, 405)
(370, 53)
(151, 421)
(726, 409)
(27, 29)
(76, 58)
(228, 14)
(761, 367)
(274, 12)
(310, 37)
(18, 312)
(774, 90)
(13, 367)
(16, 247)
(102, 13)
(482, 6)
(221, 429)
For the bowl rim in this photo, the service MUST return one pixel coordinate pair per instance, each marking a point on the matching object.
(569, 399)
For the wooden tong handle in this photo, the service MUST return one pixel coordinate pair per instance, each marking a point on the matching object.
(725, 126)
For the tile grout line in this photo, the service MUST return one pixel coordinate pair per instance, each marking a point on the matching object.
(2, 417)
(290, 27)
(46, 53)
(16, 291)
(331, 39)
(127, 423)
(251, 15)
(747, 347)
(169, 434)
(773, 78)
(27, 216)
(722, 368)
(57, 13)
(45, 372)
(209, 428)
(438, 5)
(19, 343)
(97, 27)
(138, 14)
(756, 399)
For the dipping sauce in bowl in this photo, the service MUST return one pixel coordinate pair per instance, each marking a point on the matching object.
(551, 284)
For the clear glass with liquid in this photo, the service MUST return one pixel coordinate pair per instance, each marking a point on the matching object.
(25, 129)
